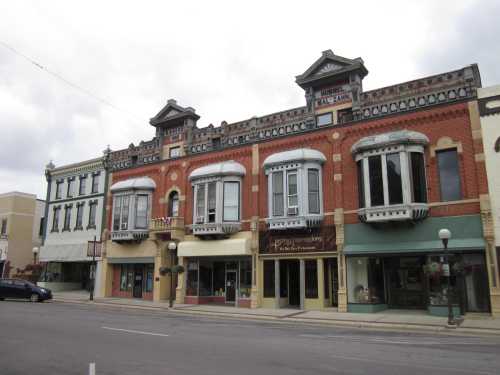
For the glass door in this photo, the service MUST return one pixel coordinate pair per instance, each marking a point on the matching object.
(138, 274)
(231, 286)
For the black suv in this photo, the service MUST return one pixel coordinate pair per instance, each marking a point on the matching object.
(16, 288)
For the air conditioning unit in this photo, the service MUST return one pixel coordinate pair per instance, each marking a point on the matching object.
(200, 219)
(293, 211)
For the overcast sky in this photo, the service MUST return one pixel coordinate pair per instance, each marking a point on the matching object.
(229, 60)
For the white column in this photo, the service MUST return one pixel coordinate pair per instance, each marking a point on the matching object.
(276, 283)
(302, 274)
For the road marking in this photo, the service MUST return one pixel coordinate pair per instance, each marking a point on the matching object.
(92, 368)
(134, 331)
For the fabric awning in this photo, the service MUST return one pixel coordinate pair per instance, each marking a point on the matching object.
(421, 237)
(233, 246)
(64, 253)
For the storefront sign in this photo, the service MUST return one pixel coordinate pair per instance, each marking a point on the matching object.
(331, 95)
(314, 240)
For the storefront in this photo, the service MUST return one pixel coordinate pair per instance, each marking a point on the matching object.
(299, 268)
(133, 280)
(59, 276)
(219, 280)
(401, 267)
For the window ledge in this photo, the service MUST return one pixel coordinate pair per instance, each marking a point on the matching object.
(411, 211)
(216, 228)
(304, 221)
(129, 235)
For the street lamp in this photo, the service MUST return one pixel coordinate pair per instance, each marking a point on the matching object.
(445, 235)
(35, 252)
(172, 246)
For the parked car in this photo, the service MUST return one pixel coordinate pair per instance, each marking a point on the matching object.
(16, 288)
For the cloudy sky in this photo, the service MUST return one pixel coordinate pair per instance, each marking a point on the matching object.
(228, 59)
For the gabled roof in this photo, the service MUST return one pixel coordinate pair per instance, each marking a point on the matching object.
(172, 112)
(328, 65)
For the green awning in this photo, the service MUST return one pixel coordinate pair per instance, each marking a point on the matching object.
(420, 237)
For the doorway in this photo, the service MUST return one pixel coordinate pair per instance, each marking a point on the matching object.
(293, 283)
(231, 286)
(405, 282)
(138, 274)
(331, 281)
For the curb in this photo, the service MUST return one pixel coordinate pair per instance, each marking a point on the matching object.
(378, 326)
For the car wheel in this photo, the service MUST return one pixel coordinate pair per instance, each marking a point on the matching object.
(35, 298)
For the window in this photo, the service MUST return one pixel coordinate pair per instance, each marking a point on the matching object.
(173, 204)
(192, 278)
(126, 277)
(361, 183)
(278, 194)
(449, 175)
(231, 201)
(117, 213)
(292, 193)
(141, 212)
(121, 212)
(313, 184)
(55, 219)
(175, 152)
(79, 216)
(148, 285)
(269, 279)
(245, 278)
(311, 278)
(67, 217)
(391, 176)
(59, 189)
(212, 201)
(200, 203)
(71, 186)
(92, 214)
(95, 183)
(83, 181)
(42, 225)
(4, 227)
(324, 119)
(365, 280)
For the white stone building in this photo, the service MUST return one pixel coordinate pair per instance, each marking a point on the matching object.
(75, 207)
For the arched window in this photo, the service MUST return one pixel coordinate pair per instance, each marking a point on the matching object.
(497, 145)
(173, 204)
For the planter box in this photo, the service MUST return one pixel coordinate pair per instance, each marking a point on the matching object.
(366, 307)
(442, 310)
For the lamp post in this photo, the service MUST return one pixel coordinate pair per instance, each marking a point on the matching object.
(172, 246)
(445, 235)
(35, 252)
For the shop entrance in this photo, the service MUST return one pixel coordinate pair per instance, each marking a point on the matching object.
(293, 283)
(137, 291)
(405, 282)
(231, 286)
(331, 281)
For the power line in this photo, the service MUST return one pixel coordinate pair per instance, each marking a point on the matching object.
(69, 83)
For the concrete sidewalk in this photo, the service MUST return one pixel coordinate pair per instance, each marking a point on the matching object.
(389, 319)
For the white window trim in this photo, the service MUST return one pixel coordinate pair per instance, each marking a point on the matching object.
(132, 207)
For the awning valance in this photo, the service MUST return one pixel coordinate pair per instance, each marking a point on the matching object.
(64, 253)
(130, 260)
(422, 237)
(232, 246)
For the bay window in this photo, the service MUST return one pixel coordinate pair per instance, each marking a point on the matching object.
(391, 176)
(131, 208)
(294, 188)
(217, 197)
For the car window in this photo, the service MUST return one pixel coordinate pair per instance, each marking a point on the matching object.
(19, 283)
(6, 282)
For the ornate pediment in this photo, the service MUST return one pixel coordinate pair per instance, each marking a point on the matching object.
(173, 112)
(328, 67)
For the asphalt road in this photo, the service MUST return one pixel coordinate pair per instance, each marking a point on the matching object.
(58, 338)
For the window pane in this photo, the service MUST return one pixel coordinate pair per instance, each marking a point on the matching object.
(268, 278)
(311, 279)
(124, 212)
(173, 210)
(200, 202)
(324, 119)
(292, 189)
(219, 279)
(376, 182)
(365, 280)
(123, 277)
(192, 278)
(79, 216)
(313, 183)
(70, 188)
(148, 286)
(245, 278)
(212, 201)
(395, 188)
(67, 217)
(95, 183)
(277, 186)
(116, 213)
(231, 201)
(449, 177)
(83, 180)
(141, 213)
(419, 185)
(361, 183)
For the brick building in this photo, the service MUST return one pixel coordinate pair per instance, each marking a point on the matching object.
(336, 203)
